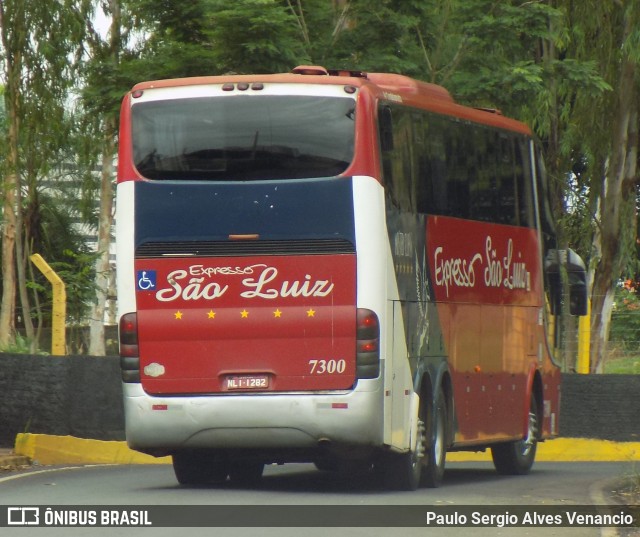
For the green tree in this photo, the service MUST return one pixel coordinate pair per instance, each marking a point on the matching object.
(41, 42)
(606, 137)
(259, 36)
(105, 82)
(208, 37)
(381, 35)
(54, 232)
(173, 42)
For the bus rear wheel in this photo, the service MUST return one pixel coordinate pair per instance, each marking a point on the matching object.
(199, 467)
(516, 458)
(402, 472)
(246, 472)
(405, 471)
(433, 470)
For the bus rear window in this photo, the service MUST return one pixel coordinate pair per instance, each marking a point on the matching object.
(243, 138)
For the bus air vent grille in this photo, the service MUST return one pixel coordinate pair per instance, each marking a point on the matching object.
(244, 248)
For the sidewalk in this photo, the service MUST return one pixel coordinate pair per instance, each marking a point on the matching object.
(9, 460)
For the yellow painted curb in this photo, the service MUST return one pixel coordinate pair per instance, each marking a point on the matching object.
(49, 449)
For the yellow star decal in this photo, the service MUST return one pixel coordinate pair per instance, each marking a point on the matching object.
(277, 314)
(211, 314)
(244, 314)
(311, 313)
(178, 315)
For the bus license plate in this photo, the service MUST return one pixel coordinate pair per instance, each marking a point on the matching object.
(247, 382)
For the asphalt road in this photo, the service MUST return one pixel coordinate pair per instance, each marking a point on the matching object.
(466, 484)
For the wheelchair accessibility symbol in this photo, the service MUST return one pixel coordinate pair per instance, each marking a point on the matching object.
(146, 280)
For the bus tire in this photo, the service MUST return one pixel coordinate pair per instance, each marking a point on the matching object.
(327, 464)
(436, 455)
(516, 458)
(404, 471)
(199, 468)
(246, 473)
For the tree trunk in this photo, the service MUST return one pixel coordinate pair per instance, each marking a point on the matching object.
(615, 193)
(7, 308)
(12, 64)
(22, 258)
(9, 227)
(103, 269)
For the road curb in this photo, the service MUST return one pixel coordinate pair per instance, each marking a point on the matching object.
(50, 449)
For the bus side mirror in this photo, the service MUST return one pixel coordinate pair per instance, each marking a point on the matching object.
(578, 299)
(577, 272)
(386, 129)
(576, 275)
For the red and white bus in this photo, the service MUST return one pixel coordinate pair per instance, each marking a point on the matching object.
(337, 267)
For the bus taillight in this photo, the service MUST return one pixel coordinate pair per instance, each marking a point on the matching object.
(367, 344)
(129, 350)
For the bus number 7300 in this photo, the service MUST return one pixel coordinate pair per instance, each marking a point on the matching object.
(327, 367)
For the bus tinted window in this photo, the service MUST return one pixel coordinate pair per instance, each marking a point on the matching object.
(443, 166)
(243, 138)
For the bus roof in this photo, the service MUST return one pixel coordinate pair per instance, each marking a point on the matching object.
(391, 87)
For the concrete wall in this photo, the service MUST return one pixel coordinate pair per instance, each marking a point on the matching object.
(82, 396)
(71, 395)
(601, 406)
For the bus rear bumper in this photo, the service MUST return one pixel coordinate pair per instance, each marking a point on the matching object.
(161, 425)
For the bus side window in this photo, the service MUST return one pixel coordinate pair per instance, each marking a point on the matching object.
(432, 185)
(483, 181)
(506, 201)
(459, 192)
(385, 130)
(524, 185)
(396, 136)
(547, 223)
(385, 121)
